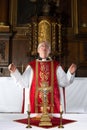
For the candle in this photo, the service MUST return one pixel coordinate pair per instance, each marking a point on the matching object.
(22, 68)
(60, 107)
(29, 107)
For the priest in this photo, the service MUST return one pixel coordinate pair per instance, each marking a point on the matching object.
(43, 77)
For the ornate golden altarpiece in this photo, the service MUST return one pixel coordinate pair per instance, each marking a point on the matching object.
(45, 29)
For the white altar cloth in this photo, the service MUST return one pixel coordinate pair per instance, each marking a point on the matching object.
(7, 123)
(11, 96)
(76, 96)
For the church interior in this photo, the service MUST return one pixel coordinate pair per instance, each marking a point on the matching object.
(23, 25)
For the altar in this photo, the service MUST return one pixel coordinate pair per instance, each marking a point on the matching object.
(7, 122)
(12, 96)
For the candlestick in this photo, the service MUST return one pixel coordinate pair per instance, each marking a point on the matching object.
(61, 112)
(28, 126)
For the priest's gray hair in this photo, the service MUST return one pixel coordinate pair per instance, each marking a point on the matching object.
(47, 43)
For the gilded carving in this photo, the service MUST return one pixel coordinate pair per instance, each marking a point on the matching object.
(44, 72)
(44, 31)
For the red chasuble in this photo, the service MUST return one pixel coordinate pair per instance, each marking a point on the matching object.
(44, 75)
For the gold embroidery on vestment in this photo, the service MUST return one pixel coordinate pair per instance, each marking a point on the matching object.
(44, 75)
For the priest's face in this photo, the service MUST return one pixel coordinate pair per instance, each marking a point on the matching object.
(44, 50)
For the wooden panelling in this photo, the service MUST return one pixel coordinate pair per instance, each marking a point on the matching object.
(4, 11)
(74, 33)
